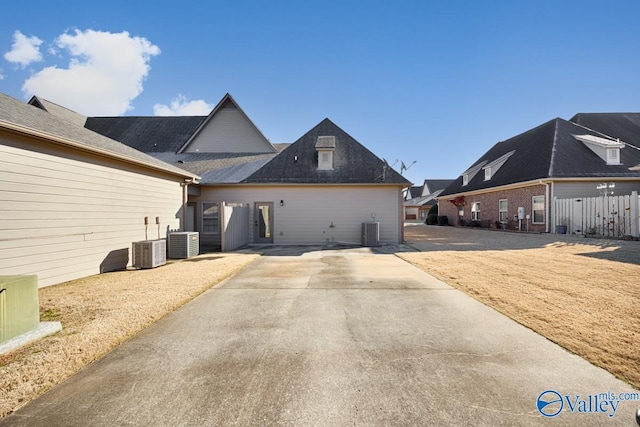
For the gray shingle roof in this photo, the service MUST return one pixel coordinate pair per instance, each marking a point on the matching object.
(35, 121)
(147, 134)
(352, 162)
(219, 168)
(625, 126)
(547, 151)
(58, 110)
(423, 200)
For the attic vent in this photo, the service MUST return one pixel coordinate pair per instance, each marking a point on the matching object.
(607, 149)
(492, 168)
(325, 146)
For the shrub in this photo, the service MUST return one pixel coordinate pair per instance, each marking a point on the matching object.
(432, 219)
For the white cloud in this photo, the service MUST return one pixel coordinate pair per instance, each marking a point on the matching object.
(1, 74)
(24, 50)
(181, 107)
(105, 72)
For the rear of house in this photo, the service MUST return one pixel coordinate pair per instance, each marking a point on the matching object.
(317, 190)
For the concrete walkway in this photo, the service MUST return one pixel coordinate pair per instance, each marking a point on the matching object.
(329, 338)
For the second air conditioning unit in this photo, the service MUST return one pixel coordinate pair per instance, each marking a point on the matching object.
(185, 244)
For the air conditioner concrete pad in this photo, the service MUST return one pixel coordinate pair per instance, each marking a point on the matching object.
(44, 329)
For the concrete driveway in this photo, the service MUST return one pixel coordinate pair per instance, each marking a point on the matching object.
(329, 338)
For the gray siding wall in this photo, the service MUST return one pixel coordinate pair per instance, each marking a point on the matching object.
(229, 131)
(71, 215)
(309, 211)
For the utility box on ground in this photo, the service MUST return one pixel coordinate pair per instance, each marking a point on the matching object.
(19, 309)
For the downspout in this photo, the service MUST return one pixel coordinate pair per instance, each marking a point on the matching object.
(547, 205)
(185, 198)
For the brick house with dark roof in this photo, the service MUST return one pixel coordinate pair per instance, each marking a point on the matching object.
(523, 175)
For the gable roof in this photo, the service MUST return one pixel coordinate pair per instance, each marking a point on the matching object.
(550, 150)
(424, 200)
(434, 185)
(427, 189)
(147, 134)
(233, 132)
(415, 191)
(58, 110)
(20, 117)
(352, 162)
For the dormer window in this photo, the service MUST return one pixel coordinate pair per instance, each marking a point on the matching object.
(607, 149)
(471, 172)
(493, 167)
(325, 147)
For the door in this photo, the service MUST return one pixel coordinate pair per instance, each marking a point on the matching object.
(263, 222)
(576, 217)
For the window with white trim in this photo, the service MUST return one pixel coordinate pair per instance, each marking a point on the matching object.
(460, 210)
(537, 204)
(325, 160)
(210, 218)
(475, 211)
(502, 210)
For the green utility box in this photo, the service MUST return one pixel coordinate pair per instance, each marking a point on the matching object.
(19, 310)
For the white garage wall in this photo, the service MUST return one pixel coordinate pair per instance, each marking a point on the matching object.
(65, 215)
(309, 211)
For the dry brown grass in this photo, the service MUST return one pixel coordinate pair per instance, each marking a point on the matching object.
(100, 312)
(583, 294)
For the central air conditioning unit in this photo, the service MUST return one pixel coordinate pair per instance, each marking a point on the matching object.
(370, 233)
(149, 253)
(185, 244)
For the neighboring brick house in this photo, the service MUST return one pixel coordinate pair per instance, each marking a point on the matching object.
(514, 184)
(420, 199)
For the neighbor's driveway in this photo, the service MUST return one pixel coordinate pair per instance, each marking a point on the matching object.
(327, 338)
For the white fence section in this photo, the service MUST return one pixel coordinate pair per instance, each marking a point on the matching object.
(235, 226)
(613, 216)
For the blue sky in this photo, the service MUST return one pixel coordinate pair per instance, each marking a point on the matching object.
(437, 83)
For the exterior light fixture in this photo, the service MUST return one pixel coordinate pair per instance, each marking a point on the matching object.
(281, 202)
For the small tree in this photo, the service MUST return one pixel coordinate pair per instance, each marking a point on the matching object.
(432, 215)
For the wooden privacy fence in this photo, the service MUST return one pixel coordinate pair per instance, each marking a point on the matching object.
(613, 216)
(235, 226)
